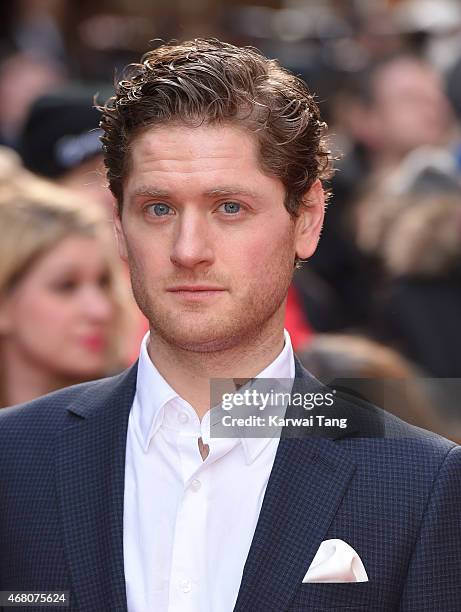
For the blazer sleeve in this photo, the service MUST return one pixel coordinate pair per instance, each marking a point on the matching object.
(433, 581)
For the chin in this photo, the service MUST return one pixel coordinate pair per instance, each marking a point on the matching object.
(85, 369)
(207, 346)
(91, 374)
(207, 340)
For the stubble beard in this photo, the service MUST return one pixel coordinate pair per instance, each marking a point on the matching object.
(207, 329)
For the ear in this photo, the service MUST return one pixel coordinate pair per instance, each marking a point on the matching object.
(119, 232)
(310, 221)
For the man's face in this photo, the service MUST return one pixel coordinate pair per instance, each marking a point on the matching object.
(410, 107)
(210, 245)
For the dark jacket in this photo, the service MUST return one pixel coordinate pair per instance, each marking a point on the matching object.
(395, 500)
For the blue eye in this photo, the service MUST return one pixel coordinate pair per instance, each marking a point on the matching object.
(159, 210)
(231, 207)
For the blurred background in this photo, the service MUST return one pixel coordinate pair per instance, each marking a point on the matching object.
(381, 298)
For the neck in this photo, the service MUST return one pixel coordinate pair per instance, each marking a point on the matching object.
(24, 379)
(189, 372)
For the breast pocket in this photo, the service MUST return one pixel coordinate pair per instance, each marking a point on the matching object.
(351, 596)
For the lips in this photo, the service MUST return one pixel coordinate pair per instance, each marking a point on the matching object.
(94, 342)
(194, 288)
(195, 293)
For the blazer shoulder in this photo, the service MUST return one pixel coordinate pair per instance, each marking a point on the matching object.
(406, 455)
(404, 443)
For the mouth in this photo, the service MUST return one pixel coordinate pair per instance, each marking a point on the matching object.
(176, 288)
(195, 292)
(95, 342)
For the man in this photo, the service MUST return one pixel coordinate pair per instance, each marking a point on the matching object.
(116, 491)
(392, 108)
(387, 111)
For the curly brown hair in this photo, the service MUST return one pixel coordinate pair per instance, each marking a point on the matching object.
(206, 81)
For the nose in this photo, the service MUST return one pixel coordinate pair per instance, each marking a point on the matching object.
(96, 304)
(192, 242)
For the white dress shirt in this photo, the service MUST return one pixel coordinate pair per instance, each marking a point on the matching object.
(188, 522)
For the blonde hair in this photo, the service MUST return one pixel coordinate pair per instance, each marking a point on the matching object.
(426, 240)
(35, 216)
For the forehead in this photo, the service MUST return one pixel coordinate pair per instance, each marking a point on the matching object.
(402, 75)
(74, 254)
(179, 154)
(77, 249)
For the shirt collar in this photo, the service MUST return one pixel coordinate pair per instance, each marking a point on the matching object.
(153, 393)
(283, 367)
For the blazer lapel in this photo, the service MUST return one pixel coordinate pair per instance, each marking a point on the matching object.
(90, 477)
(307, 483)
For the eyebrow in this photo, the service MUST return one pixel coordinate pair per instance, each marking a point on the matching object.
(230, 190)
(226, 190)
(150, 191)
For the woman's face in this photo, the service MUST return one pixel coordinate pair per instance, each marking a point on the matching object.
(59, 315)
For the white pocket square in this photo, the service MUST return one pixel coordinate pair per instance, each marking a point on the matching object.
(336, 561)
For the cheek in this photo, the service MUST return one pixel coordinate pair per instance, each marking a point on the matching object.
(41, 320)
(147, 257)
(260, 261)
(267, 257)
(388, 118)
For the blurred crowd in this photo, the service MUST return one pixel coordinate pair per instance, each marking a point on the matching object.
(381, 298)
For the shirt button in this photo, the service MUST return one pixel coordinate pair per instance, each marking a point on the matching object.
(185, 586)
(195, 485)
(183, 418)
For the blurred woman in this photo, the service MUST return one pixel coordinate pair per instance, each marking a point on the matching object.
(60, 295)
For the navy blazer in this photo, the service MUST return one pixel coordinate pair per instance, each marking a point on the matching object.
(395, 500)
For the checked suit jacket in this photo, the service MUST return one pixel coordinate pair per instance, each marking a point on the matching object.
(395, 499)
